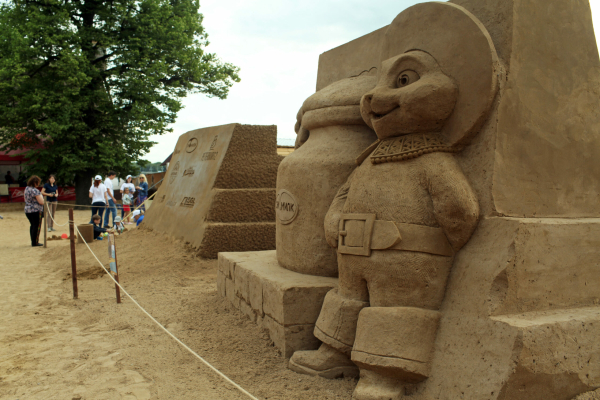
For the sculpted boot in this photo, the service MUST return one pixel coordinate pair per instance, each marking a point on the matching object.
(336, 328)
(393, 347)
(326, 362)
(396, 341)
(373, 386)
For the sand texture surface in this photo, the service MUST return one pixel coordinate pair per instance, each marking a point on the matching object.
(55, 347)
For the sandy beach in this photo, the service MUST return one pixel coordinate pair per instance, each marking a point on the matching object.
(55, 347)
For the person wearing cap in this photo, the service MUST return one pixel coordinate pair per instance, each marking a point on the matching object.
(119, 227)
(99, 197)
(128, 184)
(112, 208)
(138, 217)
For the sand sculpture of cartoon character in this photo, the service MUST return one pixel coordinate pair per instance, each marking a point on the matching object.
(402, 214)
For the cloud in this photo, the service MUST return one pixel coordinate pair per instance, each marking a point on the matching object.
(276, 43)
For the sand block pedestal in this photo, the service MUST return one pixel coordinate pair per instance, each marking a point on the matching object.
(521, 316)
(284, 302)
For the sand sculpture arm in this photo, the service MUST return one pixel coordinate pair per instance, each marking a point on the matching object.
(332, 218)
(454, 201)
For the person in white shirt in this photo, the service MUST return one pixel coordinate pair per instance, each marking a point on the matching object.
(128, 184)
(112, 207)
(98, 196)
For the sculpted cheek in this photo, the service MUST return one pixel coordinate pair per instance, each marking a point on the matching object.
(428, 105)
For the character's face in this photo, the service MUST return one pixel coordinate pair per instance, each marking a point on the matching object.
(412, 95)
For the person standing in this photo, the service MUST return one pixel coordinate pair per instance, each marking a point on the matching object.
(50, 191)
(128, 184)
(99, 197)
(143, 191)
(34, 209)
(22, 179)
(112, 208)
(127, 200)
(8, 178)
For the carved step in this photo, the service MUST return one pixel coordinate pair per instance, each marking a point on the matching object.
(242, 205)
(244, 236)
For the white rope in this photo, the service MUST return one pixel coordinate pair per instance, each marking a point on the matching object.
(50, 214)
(107, 207)
(241, 389)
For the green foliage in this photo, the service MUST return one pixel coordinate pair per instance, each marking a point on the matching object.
(151, 167)
(94, 79)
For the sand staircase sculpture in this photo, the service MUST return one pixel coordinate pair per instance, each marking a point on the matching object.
(219, 191)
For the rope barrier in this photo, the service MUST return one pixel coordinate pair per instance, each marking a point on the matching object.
(77, 205)
(50, 214)
(222, 375)
(80, 205)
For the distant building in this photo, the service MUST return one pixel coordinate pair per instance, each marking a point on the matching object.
(285, 150)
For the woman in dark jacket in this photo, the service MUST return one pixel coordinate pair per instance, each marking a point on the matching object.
(50, 190)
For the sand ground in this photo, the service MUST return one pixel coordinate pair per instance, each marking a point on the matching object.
(55, 347)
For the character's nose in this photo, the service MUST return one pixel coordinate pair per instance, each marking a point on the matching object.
(383, 103)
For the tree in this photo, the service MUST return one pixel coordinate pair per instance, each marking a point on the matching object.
(92, 80)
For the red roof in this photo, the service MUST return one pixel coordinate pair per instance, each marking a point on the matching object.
(168, 160)
(16, 157)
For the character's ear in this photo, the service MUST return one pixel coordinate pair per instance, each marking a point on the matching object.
(365, 108)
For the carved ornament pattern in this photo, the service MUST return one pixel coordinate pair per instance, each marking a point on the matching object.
(409, 146)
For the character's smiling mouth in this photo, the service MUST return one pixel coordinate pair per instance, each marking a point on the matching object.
(376, 117)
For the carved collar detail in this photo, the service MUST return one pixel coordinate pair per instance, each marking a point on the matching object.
(409, 146)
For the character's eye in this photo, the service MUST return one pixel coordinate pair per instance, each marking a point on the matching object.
(407, 77)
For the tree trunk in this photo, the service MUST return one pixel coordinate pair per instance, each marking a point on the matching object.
(83, 181)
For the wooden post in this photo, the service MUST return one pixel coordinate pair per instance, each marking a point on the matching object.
(118, 290)
(73, 259)
(114, 269)
(45, 221)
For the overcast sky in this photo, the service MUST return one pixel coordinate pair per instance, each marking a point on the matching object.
(276, 43)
